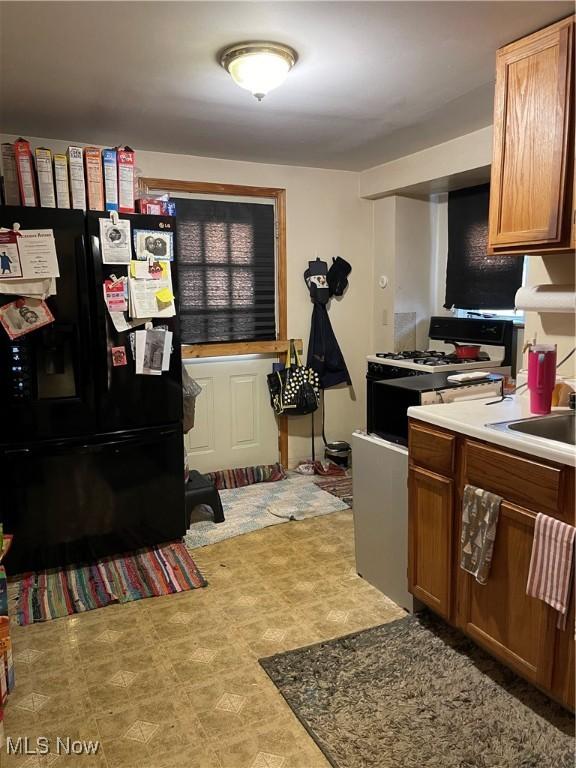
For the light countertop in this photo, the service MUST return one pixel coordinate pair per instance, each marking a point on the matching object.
(470, 417)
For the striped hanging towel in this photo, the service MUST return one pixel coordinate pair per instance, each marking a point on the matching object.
(550, 574)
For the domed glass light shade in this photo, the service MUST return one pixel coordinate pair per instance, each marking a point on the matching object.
(258, 67)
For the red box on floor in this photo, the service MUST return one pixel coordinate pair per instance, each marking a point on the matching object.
(4, 628)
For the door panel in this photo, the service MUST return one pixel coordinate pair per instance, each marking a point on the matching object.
(234, 424)
(499, 615)
(245, 407)
(430, 539)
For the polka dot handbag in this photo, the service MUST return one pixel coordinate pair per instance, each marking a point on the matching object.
(295, 390)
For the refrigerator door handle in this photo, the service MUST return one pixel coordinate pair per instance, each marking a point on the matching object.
(95, 447)
(102, 359)
(82, 446)
(134, 439)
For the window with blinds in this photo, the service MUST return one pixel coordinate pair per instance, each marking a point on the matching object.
(225, 259)
(474, 279)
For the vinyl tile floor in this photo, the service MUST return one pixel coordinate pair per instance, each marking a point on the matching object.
(174, 682)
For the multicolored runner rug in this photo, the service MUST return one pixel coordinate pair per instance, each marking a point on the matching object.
(341, 487)
(146, 573)
(238, 478)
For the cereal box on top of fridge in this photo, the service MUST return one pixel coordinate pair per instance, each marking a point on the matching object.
(77, 182)
(125, 180)
(25, 169)
(10, 175)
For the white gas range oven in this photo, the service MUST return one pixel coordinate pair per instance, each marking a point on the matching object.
(497, 334)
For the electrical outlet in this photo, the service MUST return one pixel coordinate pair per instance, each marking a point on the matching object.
(384, 317)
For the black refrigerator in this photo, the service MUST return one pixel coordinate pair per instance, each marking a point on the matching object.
(91, 454)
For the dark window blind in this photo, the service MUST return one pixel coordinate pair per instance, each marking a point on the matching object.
(475, 280)
(226, 271)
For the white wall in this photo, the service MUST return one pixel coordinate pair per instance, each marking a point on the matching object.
(439, 223)
(550, 328)
(414, 257)
(462, 160)
(384, 255)
(325, 218)
(411, 233)
(403, 252)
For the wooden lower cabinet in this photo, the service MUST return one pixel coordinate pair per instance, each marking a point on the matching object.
(430, 539)
(499, 615)
(518, 630)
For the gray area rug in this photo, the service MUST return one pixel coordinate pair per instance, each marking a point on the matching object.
(417, 693)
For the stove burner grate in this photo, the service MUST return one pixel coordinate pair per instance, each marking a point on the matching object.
(431, 357)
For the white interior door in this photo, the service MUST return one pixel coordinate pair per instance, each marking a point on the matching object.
(234, 425)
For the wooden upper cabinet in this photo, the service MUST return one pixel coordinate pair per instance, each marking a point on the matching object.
(531, 207)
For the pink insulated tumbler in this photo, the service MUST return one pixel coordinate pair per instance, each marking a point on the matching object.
(541, 377)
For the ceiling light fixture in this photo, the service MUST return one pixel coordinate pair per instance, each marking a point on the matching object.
(258, 67)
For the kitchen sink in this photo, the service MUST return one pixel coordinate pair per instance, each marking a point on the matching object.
(556, 426)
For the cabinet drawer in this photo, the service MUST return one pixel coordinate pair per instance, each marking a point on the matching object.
(432, 449)
(519, 480)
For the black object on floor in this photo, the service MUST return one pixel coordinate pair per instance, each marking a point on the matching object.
(200, 490)
(416, 693)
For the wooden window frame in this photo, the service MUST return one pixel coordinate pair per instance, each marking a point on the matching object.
(150, 185)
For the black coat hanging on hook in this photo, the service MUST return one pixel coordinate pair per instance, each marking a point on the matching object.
(324, 354)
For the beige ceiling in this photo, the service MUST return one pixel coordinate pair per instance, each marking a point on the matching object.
(374, 80)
